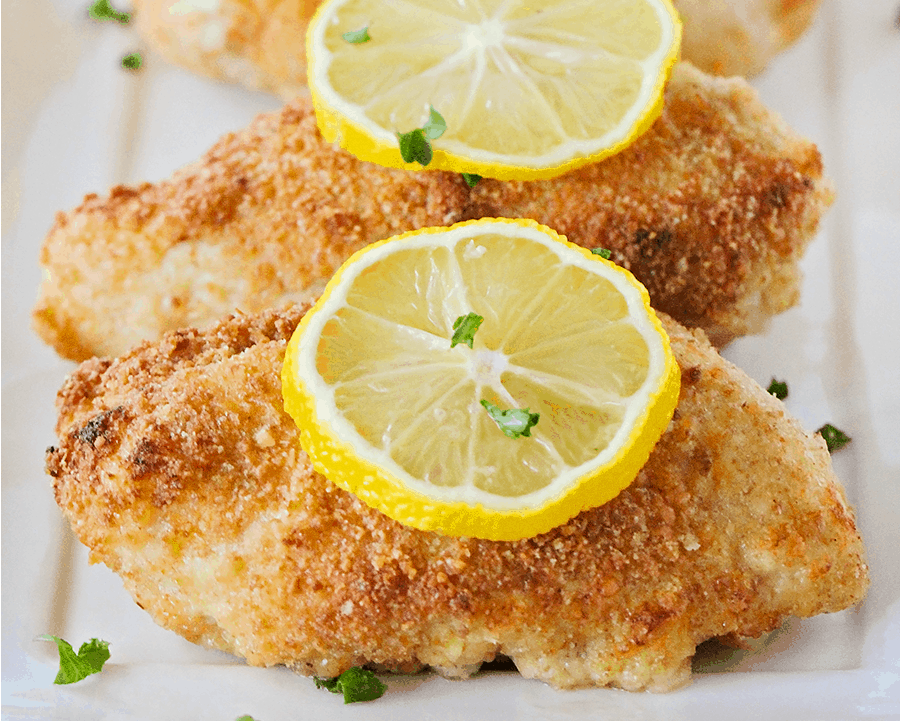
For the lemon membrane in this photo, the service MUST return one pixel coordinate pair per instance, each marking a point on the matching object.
(527, 90)
(388, 410)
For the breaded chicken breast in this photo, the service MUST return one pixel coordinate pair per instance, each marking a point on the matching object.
(261, 45)
(179, 469)
(711, 209)
(741, 37)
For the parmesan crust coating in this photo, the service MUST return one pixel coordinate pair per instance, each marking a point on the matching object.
(180, 470)
(711, 209)
(261, 44)
(740, 37)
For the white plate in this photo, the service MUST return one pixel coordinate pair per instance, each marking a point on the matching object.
(73, 123)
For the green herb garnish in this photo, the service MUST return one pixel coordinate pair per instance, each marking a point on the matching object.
(778, 389)
(464, 329)
(245, 717)
(357, 36)
(75, 667)
(329, 684)
(514, 422)
(436, 125)
(357, 684)
(102, 10)
(132, 61)
(415, 146)
(471, 179)
(604, 253)
(835, 438)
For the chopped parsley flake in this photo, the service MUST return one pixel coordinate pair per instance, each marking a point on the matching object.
(132, 61)
(464, 329)
(604, 253)
(514, 422)
(778, 389)
(436, 125)
(329, 684)
(415, 146)
(75, 667)
(356, 37)
(102, 10)
(835, 438)
(357, 684)
(471, 179)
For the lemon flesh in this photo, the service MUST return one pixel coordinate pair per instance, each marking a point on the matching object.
(528, 90)
(388, 410)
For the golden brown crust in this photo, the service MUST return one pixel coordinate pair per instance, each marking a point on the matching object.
(257, 43)
(711, 209)
(740, 37)
(260, 44)
(179, 469)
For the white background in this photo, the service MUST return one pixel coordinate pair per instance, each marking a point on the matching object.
(74, 122)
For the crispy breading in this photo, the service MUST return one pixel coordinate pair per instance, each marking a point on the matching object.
(740, 37)
(711, 209)
(261, 45)
(180, 470)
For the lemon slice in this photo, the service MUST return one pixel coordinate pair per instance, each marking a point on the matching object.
(389, 409)
(527, 90)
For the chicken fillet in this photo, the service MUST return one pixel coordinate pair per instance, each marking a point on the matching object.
(179, 469)
(711, 209)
